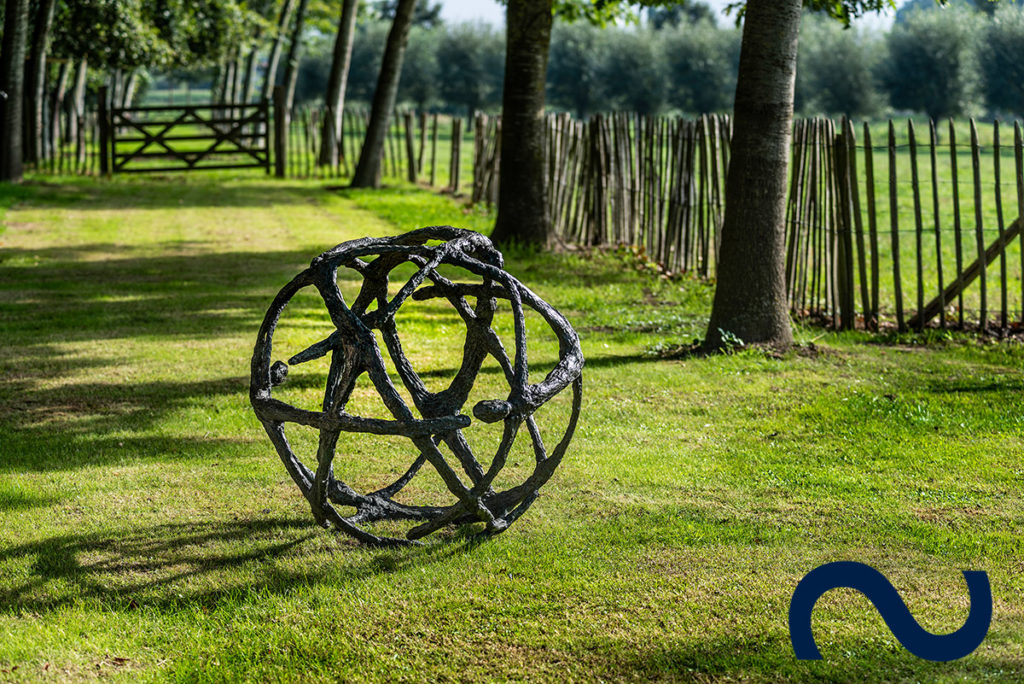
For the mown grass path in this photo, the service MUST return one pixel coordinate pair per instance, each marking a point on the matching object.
(149, 531)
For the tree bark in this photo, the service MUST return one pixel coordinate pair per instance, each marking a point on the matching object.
(75, 129)
(236, 86)
(270, 77)
(116, 86)
(12, 85)
(291, 73)
(53, 136)
(367, 173)
(35, 81)
(523, 215)
(337, 83)
(225, 80)
(78, 98)
(750, 301)
(250, 68)
(131, 84)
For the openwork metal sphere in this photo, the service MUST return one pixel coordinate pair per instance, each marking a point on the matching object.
(436, 417)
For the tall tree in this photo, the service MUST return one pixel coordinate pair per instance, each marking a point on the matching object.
(12, 90)
(56, 107)
(522, 198)
(633, 72)
(836, 69)
(426, 15)
(367, 54)
(263, 9)
(681, 12)
(291, 72)
(750, 296)
(341, 60)
(999, 57)
(522, 203)
(35, 80)
(702, 62)
(418, 84)
(367, 174)
(270, 76)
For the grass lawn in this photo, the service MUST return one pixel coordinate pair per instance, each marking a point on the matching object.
(149, 531)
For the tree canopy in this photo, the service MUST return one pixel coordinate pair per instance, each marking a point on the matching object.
(157, 33)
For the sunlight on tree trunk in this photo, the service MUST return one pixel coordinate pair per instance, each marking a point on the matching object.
(522, 202)
(35, 81)
(12, 85)
(750, 296)
(291, 73)
(270, 76)
(337, 83)
(367, 173)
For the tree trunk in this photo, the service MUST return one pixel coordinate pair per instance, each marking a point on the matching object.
(218, 76)
(12, 87)
(56, 110)
(291, 73)
(367, 173)
(130, 87)
(337, 82)
(270, 77)
(523, 215)
(35, 81)
(225, 80)
(231, 79)
(750, 296)
(116, 86)
(236, 86)
(77, 105)
(250, 69)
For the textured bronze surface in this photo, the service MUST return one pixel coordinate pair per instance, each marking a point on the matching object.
(438, 418)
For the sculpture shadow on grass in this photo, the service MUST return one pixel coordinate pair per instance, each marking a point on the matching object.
(173, 565)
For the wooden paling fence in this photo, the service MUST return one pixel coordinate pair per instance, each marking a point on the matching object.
(411, 148)
(885, 223)
(910, 237)
(622, 178)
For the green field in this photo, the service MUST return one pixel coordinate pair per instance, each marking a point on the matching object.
(151, 533)
(946, 243)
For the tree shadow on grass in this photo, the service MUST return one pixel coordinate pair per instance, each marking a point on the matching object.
(198, 295)
(53, 298)
(174, 565)
(177, 191)
(73, 426)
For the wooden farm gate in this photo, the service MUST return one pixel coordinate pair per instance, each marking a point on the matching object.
(184, 138)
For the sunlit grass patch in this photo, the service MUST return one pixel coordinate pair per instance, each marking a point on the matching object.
(150, 531)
